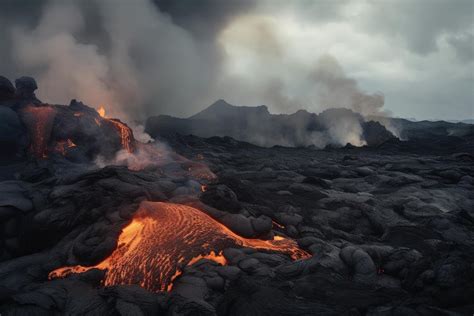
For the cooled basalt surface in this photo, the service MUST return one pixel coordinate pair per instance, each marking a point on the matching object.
(216, 226)
(388, 233)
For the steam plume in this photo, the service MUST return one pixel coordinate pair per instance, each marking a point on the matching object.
(143, 58)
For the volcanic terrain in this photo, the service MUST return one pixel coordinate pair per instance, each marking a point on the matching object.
(93, 221)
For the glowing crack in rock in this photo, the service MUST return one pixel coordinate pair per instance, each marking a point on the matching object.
(39, 122)
(163, 237)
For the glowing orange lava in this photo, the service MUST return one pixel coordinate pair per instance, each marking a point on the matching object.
(39, 122)
(164, 236)
(101, 111)
(126, 136)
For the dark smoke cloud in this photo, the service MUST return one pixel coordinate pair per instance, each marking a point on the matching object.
(135, 57)
(204, 18)
(145, 57)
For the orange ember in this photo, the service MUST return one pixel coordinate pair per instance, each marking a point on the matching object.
(163, 237)
(39, 122)
(101, 111)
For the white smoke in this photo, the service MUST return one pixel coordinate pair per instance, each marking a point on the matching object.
(149, 60)
(147, 64)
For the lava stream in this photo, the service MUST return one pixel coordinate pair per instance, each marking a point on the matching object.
(126, 136)
(163, 237)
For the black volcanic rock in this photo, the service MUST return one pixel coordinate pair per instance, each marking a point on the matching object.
(31, 129)
(13, 135)
(25, 87)
(221, 110)
(331, 129)
(221, 197)
(376, 134)
(389, 229)
(7, 91)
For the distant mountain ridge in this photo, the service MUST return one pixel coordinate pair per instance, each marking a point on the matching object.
(332, 127)
(258, 126)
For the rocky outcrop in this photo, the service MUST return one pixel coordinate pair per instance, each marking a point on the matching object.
(25, 88)
(7, 91)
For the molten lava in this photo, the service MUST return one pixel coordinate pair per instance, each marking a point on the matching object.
(163, 237)
(126, 136)
(39, 122)
(101, 111)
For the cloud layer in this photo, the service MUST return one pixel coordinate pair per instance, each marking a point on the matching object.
(414, 59)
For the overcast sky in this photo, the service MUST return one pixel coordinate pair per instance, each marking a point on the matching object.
(177, 57)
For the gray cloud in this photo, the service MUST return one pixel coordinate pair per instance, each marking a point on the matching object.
(204, 18)
(147, 57)
(464, 45)
(419, 23)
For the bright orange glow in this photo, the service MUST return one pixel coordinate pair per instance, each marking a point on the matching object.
(164, 236)
(101, 111)
(219, 258)
(125, 132)
(39, 122)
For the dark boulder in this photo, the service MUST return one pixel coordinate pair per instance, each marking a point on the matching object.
(222, 198)
(376, 134)
(7, 91)
(25, 87)
(12, 133)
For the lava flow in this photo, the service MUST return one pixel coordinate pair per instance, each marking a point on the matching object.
(39, 122)
(163, 237)
(126, 136)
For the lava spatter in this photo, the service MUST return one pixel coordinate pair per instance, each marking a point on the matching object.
(164, 236)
